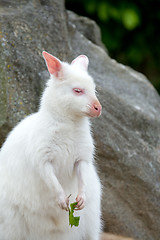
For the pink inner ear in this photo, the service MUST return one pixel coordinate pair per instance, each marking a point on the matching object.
(53, 64)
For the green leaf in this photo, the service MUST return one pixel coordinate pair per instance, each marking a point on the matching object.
(73, 220)
(114, 13)
(130, 19)
(103, 11)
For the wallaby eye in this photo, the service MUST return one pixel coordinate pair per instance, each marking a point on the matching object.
(78, 91)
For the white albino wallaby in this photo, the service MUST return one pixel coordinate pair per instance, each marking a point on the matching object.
(48, 156)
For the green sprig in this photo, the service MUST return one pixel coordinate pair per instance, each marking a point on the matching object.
(73, 220)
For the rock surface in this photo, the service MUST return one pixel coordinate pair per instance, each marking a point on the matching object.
(127, 134)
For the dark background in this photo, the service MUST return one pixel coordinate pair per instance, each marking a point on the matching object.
(130, 31)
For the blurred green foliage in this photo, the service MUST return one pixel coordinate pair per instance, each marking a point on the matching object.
(130, 30)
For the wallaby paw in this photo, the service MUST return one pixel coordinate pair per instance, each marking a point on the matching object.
(80, 201)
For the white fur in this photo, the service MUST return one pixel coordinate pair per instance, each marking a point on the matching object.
(38, 166)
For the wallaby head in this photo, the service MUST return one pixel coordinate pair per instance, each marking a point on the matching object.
(70, 90)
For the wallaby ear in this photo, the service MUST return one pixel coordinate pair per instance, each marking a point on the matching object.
(53, 64)
(82, 61)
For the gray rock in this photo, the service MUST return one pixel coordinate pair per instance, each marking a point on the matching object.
(26, 29)
(127, 134)
(87, 27)
(128, 144)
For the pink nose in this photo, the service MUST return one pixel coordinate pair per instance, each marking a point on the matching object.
(96, 109)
